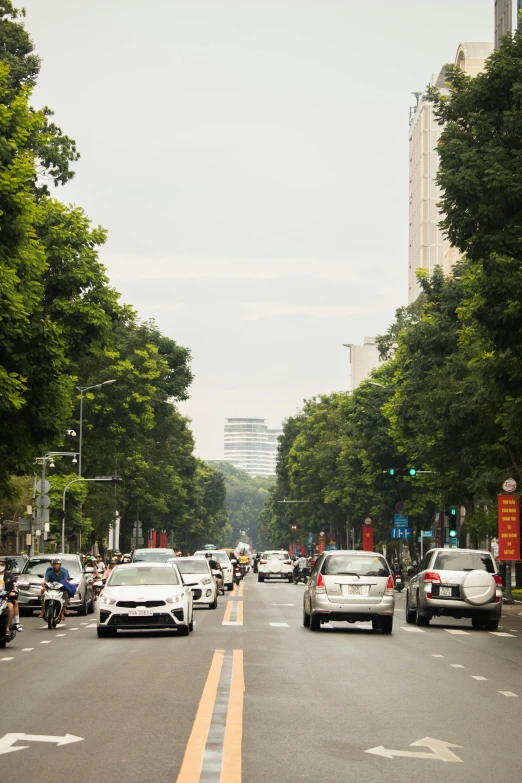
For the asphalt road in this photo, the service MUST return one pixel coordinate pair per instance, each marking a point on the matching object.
(252, 695)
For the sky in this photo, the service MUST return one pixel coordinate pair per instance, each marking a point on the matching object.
(249, 159)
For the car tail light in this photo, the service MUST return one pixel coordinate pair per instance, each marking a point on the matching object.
(390, 587)
(287, 562)
(320, 586)
(498, 579)
(432, 576)
(263, 562)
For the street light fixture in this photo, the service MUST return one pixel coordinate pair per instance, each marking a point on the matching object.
(82, 390)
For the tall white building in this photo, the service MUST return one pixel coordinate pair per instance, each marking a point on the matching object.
(251, 445)
(428, 247)
(506, 18)
(363, 359)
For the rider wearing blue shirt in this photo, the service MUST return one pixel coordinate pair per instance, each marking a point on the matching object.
(55, 573)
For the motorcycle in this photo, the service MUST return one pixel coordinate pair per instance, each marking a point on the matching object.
(3, 621)
(218, 576)
(301, 575)
(399, 584)
(97, 586)
(53, 603)
(238, 576)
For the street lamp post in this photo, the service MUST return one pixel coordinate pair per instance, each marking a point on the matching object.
(49, 456)
(98, 480)
(82, 390)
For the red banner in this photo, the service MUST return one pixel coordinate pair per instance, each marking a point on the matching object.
(509, 527)
(367, 537)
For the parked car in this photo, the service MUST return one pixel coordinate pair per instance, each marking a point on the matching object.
(351, 586)
(157, 555)
(196, 574)
(145, 596)
(460, 583)
(275, 564)
(33, 574)
(224, 561)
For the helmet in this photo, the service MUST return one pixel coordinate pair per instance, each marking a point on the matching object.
(56, 560)
(90, 559)
(114, 561)
(208, 555)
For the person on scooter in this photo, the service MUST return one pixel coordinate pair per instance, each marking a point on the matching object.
(8, 583)
(56, 573)
(113, 562)
(300, 563)
(216, 566)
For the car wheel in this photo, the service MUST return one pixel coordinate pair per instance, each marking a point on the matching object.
(386, 625)
(230, 587)
(260, 578)
(421, 620)
(491, 623)
(183, 630)
(82, 610)
(291, 579)
(410, 613)
(478, 623)
(315, 622)
(213, 605)
(105, 632)
(191, 624)
(306, 618)
(90, 608)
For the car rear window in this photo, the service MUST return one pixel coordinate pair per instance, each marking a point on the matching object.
(276, 556)
(39, 566)
(361, 566)
(150, 556)
(465, 561)
(192, 566)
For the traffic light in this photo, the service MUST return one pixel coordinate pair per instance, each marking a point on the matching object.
(453, 522)
(393, 472)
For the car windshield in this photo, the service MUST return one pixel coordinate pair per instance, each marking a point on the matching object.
(221, 557)
(465, 561)
(39, 566)
(276, 556)
(15, 561)
(150, 556)
(360, 566)
(192, 566)
(129, 577)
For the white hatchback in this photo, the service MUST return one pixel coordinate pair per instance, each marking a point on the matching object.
(275, 564)
(196, 574)
(145, 596)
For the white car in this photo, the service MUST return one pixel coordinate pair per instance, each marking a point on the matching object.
(145, 596)
(275, 564)
(196, 574)
(224, 561)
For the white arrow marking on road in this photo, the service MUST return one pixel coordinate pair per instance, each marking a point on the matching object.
(441, 750)
(9, 739)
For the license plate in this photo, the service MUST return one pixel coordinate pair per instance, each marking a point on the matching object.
(140, 613)
(445, 591)
(354, 590)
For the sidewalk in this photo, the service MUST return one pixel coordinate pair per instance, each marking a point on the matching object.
(512, 608)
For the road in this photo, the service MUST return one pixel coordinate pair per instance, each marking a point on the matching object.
(162, 708)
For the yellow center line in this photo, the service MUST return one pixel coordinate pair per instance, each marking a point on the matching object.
(191, 766)
(239, 616)
(231, 770)
(228, 612)
(241, 589)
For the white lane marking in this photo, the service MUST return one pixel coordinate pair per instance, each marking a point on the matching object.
(457, 666)
(60, 634)
(74, 629)
(279, 625)
(440, 750)
(456, 630)
(437, 656)
(6, 659)
(501, 633)
(504, 693)
(43, 626)
(94, 625)
(84, 623)
(27, 649)
(231, 622)
(282, 604)
(515, 630)
(46, 642)
(478, 677)
(412, 630)
(328, 625)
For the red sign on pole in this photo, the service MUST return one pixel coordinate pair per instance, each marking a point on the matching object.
(367, 536)
(509, 527)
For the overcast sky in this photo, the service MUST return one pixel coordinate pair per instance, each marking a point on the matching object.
(250, 161)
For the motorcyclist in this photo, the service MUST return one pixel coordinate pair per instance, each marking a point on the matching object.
(257, 558)
(397, 569)
(244, 562)
(216, 566)
(111, 565)
(56, 573)
(8, 583)
(100, 565)
(299, 564)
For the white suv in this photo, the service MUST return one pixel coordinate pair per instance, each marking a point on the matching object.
(224, 561)
(275, 564)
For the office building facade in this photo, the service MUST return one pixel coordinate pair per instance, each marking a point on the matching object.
(506, 18)
(250, 445)
(363, 359)
(428, 247)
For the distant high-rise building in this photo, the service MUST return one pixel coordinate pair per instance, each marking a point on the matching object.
(506, 18)
(251, 446)
(363, 359)
(428, 246)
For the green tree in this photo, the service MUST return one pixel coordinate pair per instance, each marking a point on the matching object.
(245, 497)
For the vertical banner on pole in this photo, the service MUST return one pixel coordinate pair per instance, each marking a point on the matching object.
(509, 527)
(367, 532)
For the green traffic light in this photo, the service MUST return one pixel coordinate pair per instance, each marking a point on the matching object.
(391, 472)
(453, 512)
(412, 471)
(453, 533)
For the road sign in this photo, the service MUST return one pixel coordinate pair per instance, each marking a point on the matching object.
(42, 489)
(43, 501)
(42, 516)
(509, 485)
(401, 532)
(440, 750)
(427, 534)
(8, 740)
(400, 521)
(400, 506)
(24, 525)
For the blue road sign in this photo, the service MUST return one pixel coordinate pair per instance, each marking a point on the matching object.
(427, 534)
(400, 521)
(401, 532)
